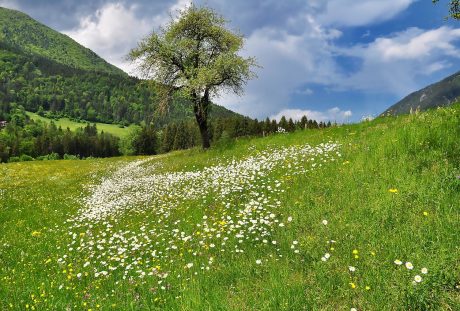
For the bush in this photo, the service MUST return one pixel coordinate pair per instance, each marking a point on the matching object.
(25, 158)
(53, 156)
(70, 157)
(225, 141)
(14, 159)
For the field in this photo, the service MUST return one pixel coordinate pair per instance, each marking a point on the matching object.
(65, 123)
(363, 216)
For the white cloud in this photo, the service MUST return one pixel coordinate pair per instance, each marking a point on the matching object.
(333, 114)
(289, 61)
(10, 4)
(394, 64)
(111, 31)
(415, 43)
(115, 28)
(306, 91)
(360, 13)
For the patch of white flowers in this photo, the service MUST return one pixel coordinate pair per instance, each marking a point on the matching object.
(141, 221)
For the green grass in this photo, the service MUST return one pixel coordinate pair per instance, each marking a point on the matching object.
(65, 123)
(418, 155)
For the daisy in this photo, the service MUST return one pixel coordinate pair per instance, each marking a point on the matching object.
(409, 266)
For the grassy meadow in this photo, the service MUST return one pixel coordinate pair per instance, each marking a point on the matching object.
(65, 123)
(363, 216)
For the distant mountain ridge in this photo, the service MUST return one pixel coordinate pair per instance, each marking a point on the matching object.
(442, 93)
(20, 30)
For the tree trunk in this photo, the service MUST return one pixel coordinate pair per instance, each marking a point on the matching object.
(204, 133)
(201, 116)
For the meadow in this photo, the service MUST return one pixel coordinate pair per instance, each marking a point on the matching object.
(355, 217)
(65, 123)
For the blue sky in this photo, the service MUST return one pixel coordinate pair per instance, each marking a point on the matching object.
(330, 59)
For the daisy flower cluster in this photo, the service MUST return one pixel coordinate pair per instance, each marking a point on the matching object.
(143, 222)
(409, 266)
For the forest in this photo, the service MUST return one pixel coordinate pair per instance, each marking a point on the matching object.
(39, 85)
(30, 82)
(23, 139)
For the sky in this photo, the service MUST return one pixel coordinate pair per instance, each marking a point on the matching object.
(338, 60)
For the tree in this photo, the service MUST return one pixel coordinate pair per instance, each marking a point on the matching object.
(454, 8)
(197, 55)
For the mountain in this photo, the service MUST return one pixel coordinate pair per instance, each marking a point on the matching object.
(47, 72)
(18, 29)
(442, 93)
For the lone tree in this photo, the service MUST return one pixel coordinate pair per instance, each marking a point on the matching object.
(454, 8)
(196, 55)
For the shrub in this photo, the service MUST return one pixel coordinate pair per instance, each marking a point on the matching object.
(53, 156)
(25, 158)
(70, 157)
(14, 159)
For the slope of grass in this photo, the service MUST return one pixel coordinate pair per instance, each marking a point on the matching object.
(263, 224)
(72, 125)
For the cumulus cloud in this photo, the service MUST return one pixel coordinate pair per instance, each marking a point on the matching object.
(111, 32)
(333, 114)
(359, 13)
(291, 59)
(394, 64)
(415, 43)
(115, 28)
(288, 61)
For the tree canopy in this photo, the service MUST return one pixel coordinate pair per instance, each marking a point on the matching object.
(454, 8)
(196, 55)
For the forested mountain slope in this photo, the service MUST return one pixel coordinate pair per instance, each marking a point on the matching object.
(18, 29)
(45, 71)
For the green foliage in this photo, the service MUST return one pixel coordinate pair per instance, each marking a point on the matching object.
(196, 55)
(47, 141)
(14, 159)
(56, 91)
(20, 30)
(25, 158)
(454, 8)
(51, 156)
(145, 142)
(418, 155)
(70, 157)
(114, 129)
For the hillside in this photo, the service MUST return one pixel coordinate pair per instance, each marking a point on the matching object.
(359, 216)
(65, 123)
(41, 69)
(18, 29)
(442, 93)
